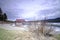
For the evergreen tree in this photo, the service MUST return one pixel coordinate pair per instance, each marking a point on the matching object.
(0, 11)
(1, 16)
(4, 17)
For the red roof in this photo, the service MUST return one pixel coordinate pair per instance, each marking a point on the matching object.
(20, 20)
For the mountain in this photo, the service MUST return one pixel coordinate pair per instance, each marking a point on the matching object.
(53, 20)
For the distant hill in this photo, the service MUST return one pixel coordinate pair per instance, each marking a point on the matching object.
(9, 21)
(53, 20)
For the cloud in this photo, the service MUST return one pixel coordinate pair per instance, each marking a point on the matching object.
(30, 9)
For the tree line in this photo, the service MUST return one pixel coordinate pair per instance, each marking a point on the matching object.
(3, 16)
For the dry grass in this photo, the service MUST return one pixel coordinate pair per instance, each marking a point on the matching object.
(22, 35)
(36, 32)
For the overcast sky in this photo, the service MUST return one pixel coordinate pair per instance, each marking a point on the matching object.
(31, 9)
